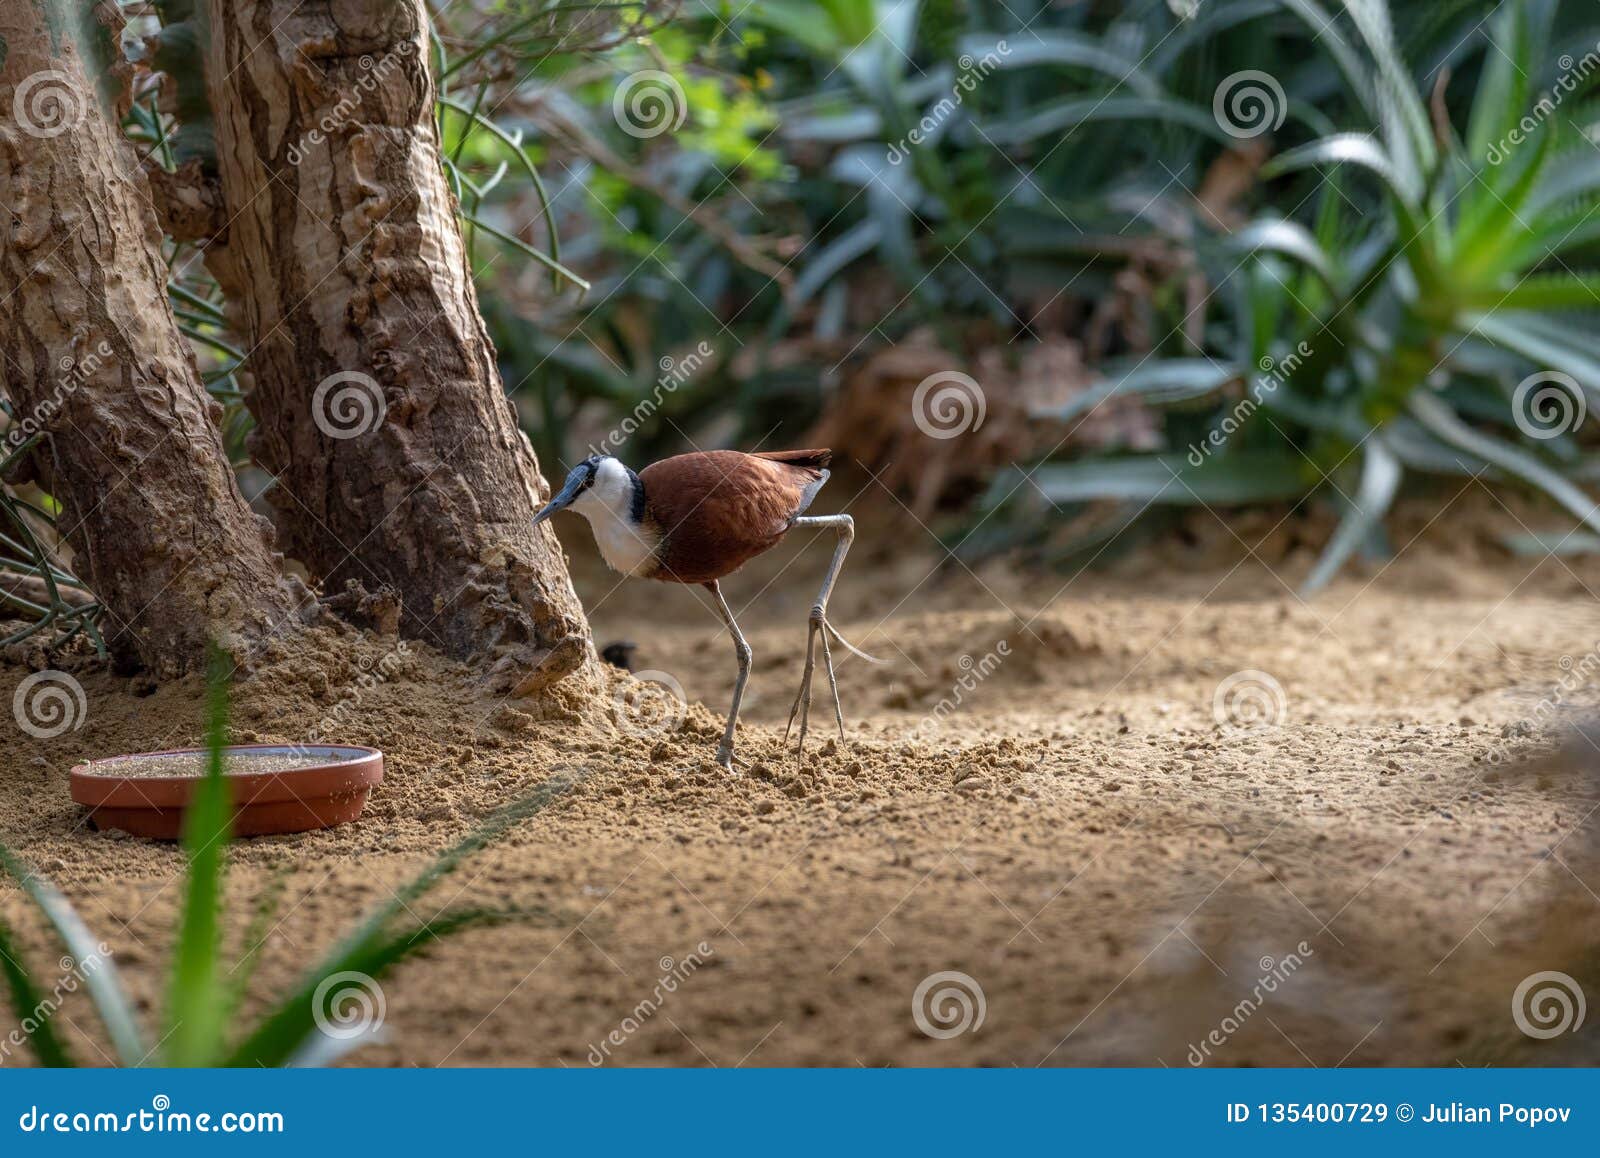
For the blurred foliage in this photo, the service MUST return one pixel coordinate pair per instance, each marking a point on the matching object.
(1322, 303)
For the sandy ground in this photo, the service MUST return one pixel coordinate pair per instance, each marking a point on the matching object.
(1126, 872)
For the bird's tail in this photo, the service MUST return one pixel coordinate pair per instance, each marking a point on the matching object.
(848, 646)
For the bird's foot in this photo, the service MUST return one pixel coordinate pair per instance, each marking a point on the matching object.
(820, 628)
(802, 699)
(728, 760)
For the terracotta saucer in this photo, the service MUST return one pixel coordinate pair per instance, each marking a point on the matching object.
(333, 791)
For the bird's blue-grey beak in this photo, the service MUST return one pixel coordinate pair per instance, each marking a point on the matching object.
(562, 500)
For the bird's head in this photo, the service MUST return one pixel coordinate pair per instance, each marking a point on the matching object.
(598, 483)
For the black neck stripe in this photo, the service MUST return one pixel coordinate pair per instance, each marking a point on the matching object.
(637, 511)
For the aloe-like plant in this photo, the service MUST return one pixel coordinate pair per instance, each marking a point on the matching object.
(1429, 333)
(202, 1018)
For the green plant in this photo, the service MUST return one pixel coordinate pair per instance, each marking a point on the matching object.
(202, 1025)
(1400, 337)
(66, 604)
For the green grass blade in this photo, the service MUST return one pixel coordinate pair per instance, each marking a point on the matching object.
(1172, 380)
(1065, 48)
(1565, 545)
(1420, 451)
(1547, 293)
(1546, 342)
(1291, 240)
(29, 1006)
(1380, 481)
(523, 247)
(1069, 114)
(791, 19)
(104, 985)
(290, 1034)
(1401, 113)
(1358, 149)
(196, 999)
(1328, 35)
(1557, 233)
(284, 1030)
(1224, 479)
(514, 144)
(1494, 220)
(857, 241)
(1503, 88)
(1436, 415)
(1367, 153)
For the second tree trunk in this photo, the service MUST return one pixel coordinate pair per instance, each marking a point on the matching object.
(380, 411)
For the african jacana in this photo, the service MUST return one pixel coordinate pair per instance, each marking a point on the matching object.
(698, 517)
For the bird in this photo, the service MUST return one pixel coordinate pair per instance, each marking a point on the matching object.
(697, 518)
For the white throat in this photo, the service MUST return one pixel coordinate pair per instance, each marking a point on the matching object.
(608, 504)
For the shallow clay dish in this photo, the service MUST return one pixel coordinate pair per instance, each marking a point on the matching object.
(142, 793)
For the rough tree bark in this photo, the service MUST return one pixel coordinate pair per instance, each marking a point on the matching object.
(90, 355)
(374, 384)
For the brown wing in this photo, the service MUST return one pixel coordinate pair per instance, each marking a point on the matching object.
(718, 509)
(816, 460)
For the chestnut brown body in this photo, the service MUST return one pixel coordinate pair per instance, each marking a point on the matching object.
(716, 510)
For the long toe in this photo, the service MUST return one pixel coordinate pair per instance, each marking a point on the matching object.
(803, 701)
(833, 680)
(805, 712)
(794, 710)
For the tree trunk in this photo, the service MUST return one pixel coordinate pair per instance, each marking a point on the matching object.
(378, 401)
(93, 358)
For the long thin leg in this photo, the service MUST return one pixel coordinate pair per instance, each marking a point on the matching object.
(845, 527)
(742, 650)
